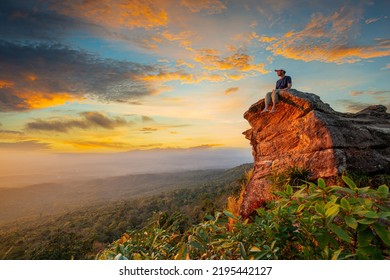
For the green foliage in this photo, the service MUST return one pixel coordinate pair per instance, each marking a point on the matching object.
(315, 221)
(293, 176)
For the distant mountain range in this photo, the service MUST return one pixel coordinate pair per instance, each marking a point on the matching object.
(40, 200)
(20, 170)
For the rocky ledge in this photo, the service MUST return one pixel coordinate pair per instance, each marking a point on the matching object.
(306, 132)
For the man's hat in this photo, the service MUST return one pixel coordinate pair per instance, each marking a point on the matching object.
(284, 71)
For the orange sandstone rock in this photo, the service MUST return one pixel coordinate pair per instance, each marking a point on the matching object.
(305, 132)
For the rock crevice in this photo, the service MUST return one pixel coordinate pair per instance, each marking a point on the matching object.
(306, 132)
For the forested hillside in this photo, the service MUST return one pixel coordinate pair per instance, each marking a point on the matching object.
(81, 233)
(55, 198)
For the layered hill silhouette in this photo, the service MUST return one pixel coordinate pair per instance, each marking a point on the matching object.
(307, 133)
(40, 200)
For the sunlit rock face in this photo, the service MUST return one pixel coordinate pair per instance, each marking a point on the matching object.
(306, 132)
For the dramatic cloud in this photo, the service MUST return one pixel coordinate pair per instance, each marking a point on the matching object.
(87, 120)
(231, 90)
(114, 13)
(325, 39)
(26, 19)
(38, 76)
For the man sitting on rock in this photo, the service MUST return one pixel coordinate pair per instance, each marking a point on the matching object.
(284, 83)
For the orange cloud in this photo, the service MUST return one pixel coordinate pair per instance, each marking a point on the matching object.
(231, 90)
(163, 76)
(234, 76)
(181, 62)
(267, 39)
(238, 61)
(328, 53)
(31, 77)
(38, 100)
(119, 13)
(183, 77)
(183, 38)
(98, 145)
(325, 39)
(211, 6)
(6, 84)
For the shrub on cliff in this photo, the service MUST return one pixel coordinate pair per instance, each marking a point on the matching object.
(314, 222)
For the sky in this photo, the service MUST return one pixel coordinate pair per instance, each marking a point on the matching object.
(110, 76)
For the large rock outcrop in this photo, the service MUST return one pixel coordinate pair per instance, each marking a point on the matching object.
(305, 132)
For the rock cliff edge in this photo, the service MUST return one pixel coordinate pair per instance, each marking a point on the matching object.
(306, 132)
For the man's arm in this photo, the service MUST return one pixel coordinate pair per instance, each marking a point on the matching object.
(289, 83)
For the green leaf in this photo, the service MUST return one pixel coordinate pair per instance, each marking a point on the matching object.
(300, 208)
(332, 211)
(369, 252)
(371, 214)
(384, 215)
(230, 215)
(351, 222)
(365, 237)
(342, 234)
(323, 239)
(242, 251)
(366, 221)
(367, 202)
(319, 209)
(321, 183)
(383, 191)
(345, 204)
(336, 254)
(196, 245)
(382, 233)
(299, 193)
(209, 217)
(181, 255)
(289, 190)
(349, 182)
(349, 191)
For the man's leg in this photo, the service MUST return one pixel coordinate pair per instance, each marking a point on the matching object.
(267, 101)
(275, 99)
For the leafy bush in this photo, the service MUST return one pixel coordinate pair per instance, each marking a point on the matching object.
(293, 176)
(314, 222)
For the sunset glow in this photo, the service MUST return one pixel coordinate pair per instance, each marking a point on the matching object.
(114, 75)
